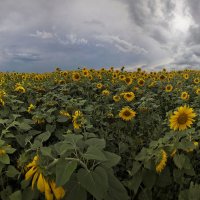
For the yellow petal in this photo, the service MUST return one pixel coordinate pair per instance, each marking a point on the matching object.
(30, 173)
(59, 192)
(48, 194)
(34, 179)
(40, 183)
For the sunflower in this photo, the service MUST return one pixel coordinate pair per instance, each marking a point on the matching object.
(105, 92)
(163, 161)
(2, 103)
(185, 76)
(173, 153)
(196, 80)
(185, 96)
(128, 80)
(127, 113)
(168, 88)
(30, 108)
(86, 73)
(141, 82)
(116, 98)
(76, 76)
(122, 77)
(162, 77)
(196, 145)
(2, 152)
(115, 75)
(65, 114)
(77, 119)
(61, 82)
(198, 91)
(20, 89)
(182, 118)
(43, 185)
(99, 85)
(129, 96)
(2, 93)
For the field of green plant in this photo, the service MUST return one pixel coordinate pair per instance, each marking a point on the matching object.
(100, 135)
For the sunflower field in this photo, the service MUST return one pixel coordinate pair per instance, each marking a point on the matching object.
(100, 135)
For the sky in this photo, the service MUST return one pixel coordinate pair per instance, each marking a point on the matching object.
(39, 35)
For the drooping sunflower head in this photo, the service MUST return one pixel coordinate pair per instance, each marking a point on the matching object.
(44, 185)
(182, 118)
(127, 113)
(77, 119)
(31, 108)
(163, 161)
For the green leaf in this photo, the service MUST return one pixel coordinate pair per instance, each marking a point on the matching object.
(64, 170)
(96, 142)
(5, 159)
(46, 151)
(9, 150)
(94, 153)
(164, 179)
(62, 119)
(62, 147)
(43, 137)
(95, 182)
(77, 192)
(72, 139)
(135, 168)
(12, 171)
(50, 128)
(148, 178)
(16, 195)
(116, 190)
(2, 142)
(24, 126)
(20, 139)
(112, 159)
(179, 160)
(135, 182)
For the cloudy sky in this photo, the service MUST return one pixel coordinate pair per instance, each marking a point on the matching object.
(37, 35)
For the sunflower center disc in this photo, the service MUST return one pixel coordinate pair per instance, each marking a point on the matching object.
(127, 113)
(182, 119)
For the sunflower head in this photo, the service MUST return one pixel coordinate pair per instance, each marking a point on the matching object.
(76, 76)
(163, 161)
(185, 96)
(116, 98)
(168, 88)
(182, 118)
(127, 113)
(141, 82)
(129, 96)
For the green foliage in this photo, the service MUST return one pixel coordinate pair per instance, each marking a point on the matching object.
(83, 145)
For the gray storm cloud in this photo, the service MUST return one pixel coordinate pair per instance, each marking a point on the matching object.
(39, 35)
